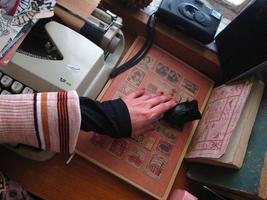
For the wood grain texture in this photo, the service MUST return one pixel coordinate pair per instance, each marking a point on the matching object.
(169, 39)
(82, 180)
(79, 180)
(82, 7)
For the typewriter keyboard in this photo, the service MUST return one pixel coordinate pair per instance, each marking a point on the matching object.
(9, 85)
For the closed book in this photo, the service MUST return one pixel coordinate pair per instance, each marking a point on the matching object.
(249, 182)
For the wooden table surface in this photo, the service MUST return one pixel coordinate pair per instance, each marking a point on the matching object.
(79, 180)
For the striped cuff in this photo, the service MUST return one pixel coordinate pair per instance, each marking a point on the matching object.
(50, 121)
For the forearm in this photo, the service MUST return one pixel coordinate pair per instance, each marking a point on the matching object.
(51, 121)
(48, 121)
(109, 118)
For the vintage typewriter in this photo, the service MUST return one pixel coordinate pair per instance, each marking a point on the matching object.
(54, 57)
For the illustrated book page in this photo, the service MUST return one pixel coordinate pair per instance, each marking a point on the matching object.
(219, 121)
(249, 181)
(151, 161)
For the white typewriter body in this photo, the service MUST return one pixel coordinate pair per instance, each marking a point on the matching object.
(84, 67)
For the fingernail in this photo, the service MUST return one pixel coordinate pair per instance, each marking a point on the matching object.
(174, 101)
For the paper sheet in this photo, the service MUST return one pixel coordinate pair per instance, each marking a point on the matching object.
(220, 120)
(150, 161)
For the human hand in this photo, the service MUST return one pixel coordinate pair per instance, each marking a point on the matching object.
(145, 109)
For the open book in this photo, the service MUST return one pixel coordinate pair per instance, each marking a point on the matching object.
(151, 161)
(250, 181)
(223, 133)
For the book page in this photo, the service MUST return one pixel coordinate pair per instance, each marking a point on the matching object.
(220, 120)
(150, 161)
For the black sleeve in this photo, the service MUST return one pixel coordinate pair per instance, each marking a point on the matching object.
(109, 117)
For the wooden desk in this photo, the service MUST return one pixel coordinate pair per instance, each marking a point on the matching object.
(80, 179)
(178, 44)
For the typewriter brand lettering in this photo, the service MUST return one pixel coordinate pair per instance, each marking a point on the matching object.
(73, 68)
(62, 80)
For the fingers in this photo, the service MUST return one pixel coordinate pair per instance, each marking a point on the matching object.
(162, 108)
(145, 109)
(142, 96)
(147, 97)
(136, 94)
(150, 96)
(158, 100)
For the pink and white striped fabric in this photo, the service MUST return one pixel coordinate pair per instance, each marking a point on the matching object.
(50, 121)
